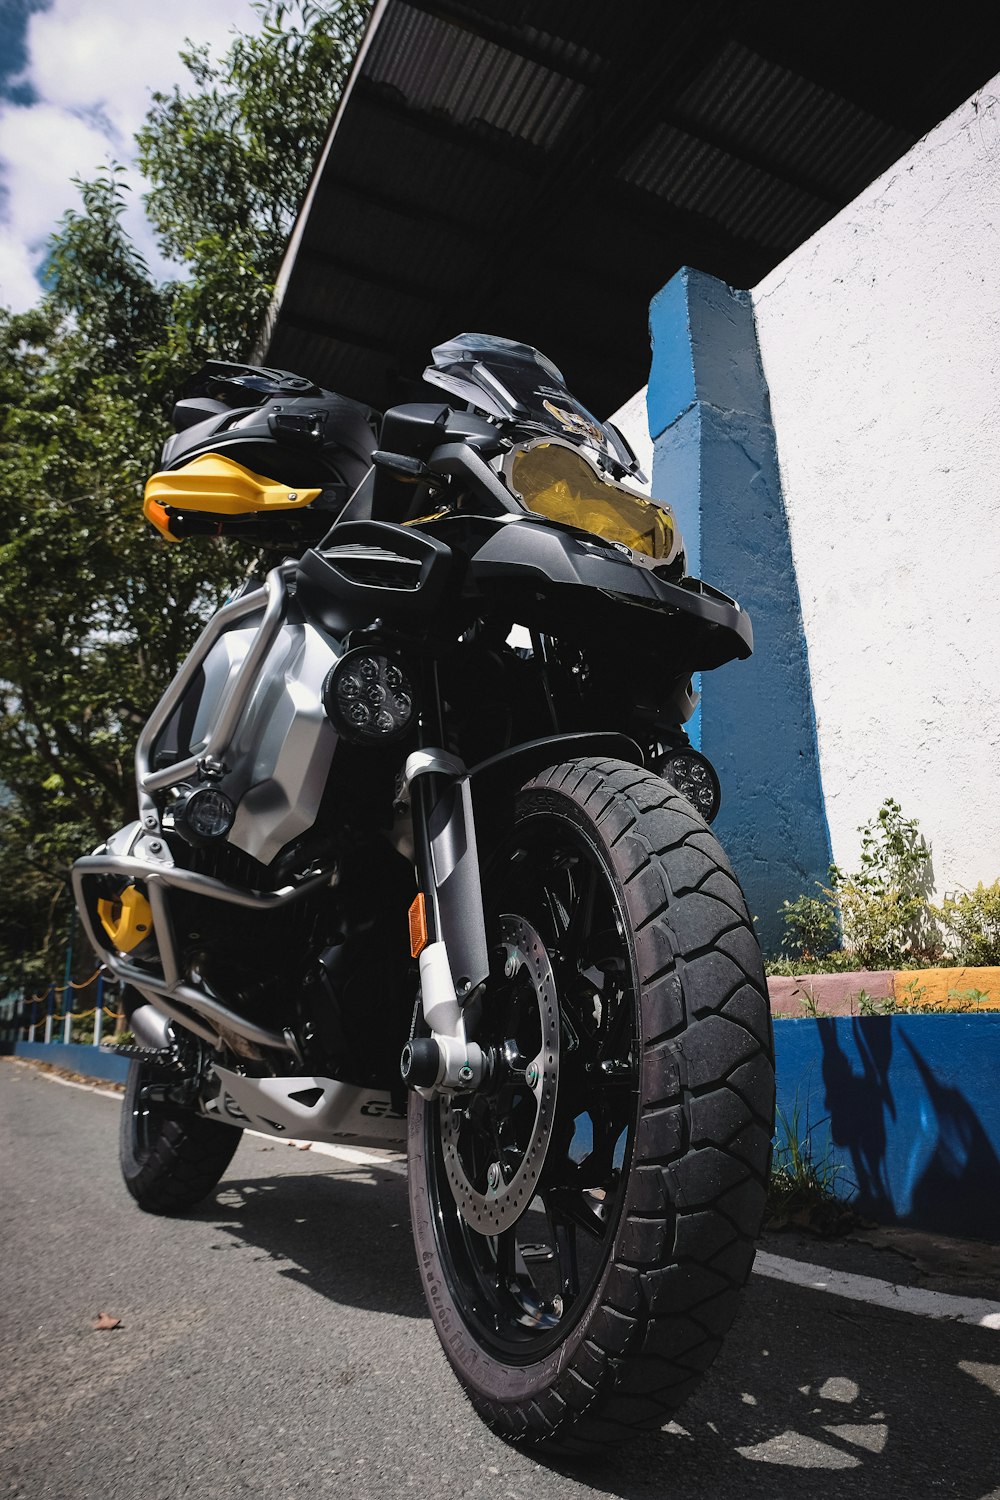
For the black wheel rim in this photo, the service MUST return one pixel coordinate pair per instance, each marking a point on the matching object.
(523, 1290)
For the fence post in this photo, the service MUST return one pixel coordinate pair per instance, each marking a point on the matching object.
(33, 1012)
(99, 1011)
(50, 1005)
(68, 991)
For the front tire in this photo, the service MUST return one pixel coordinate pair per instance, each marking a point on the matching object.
(595, 1313)
(171, 1158)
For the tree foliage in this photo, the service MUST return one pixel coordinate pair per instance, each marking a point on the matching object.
(230, 161)
(95, 612)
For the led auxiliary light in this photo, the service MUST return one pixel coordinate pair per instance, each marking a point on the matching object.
(694, 777)
(202, 814)
(368, 698)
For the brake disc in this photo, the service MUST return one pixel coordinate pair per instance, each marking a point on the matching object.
(493, 1205)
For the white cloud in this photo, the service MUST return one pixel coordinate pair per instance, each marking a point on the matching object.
(18, 287)
(93, 65)
(42, 149)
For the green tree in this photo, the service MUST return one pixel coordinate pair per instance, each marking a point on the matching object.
(231, 158)
(95, 611)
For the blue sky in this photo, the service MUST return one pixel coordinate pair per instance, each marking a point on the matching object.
(75, 83)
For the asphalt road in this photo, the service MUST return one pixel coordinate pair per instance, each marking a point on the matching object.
(275, 1345)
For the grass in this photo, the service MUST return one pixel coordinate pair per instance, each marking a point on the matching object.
(802, 1193)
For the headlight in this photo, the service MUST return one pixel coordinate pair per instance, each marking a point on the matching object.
(694, 777)
(558, 481)
(368, 698)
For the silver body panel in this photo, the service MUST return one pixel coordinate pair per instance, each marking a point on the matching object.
(283, 746)
(259, 673)
(314, 1109)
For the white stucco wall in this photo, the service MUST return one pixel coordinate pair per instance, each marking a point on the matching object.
(630, 419)
(880, 340)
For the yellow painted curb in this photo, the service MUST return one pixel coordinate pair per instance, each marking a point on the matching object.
(922, 987)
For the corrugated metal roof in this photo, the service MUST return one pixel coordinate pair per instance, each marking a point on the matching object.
(539, 168)
(470, 80)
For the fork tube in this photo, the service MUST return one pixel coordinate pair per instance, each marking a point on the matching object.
(424, 793)
(540, 649)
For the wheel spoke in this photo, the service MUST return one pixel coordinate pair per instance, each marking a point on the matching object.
(506, 1259)
(564, 1234)
(578, 930)
(617, 1036)
(570, 1206)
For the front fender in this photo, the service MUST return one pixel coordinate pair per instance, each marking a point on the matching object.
(495, 782)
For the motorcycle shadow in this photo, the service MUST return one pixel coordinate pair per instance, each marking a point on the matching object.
(343, 1233)
(829, 1399)
(810, 1395)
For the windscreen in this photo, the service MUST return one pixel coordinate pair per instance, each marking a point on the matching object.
(516, 383)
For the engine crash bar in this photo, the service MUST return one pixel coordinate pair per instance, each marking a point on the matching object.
(271, 599)
(169, 991)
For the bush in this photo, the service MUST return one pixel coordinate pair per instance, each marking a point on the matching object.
(810, 927)
(881, 909)
(883, 914)
(836, 962)
(971, 921)
(883, 905)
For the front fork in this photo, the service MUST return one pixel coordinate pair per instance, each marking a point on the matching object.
(449, 939)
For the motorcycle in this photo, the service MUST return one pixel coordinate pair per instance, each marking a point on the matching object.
(423, 850)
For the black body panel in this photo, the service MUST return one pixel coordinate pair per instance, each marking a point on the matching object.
(373, 568)
(566, 583)
(274, 423)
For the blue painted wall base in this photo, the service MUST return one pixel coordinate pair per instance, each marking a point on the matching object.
(908, 1107)
(77, 1057)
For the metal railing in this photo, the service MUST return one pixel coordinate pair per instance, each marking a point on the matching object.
(54, 1014)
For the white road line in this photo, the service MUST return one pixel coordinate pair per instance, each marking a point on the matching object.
(394, 1163)
(909, 1299)
(108, 1090)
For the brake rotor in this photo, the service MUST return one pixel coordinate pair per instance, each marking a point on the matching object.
(493, 1205)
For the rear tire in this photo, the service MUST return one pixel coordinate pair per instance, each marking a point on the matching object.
(596, 1314)
(170, 1157)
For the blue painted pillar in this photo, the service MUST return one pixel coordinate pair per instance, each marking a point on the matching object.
(715, 461)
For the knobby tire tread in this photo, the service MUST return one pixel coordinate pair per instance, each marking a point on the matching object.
(685, 1243)
(183, 1162)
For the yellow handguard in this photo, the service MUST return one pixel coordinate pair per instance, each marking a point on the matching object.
(219, 486)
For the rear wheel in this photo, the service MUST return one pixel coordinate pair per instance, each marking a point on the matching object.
(585, 1222)
(171, 1158)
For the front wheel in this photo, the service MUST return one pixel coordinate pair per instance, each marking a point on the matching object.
(585, 1221)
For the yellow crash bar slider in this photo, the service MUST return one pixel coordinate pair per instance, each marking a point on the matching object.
(127, 919)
